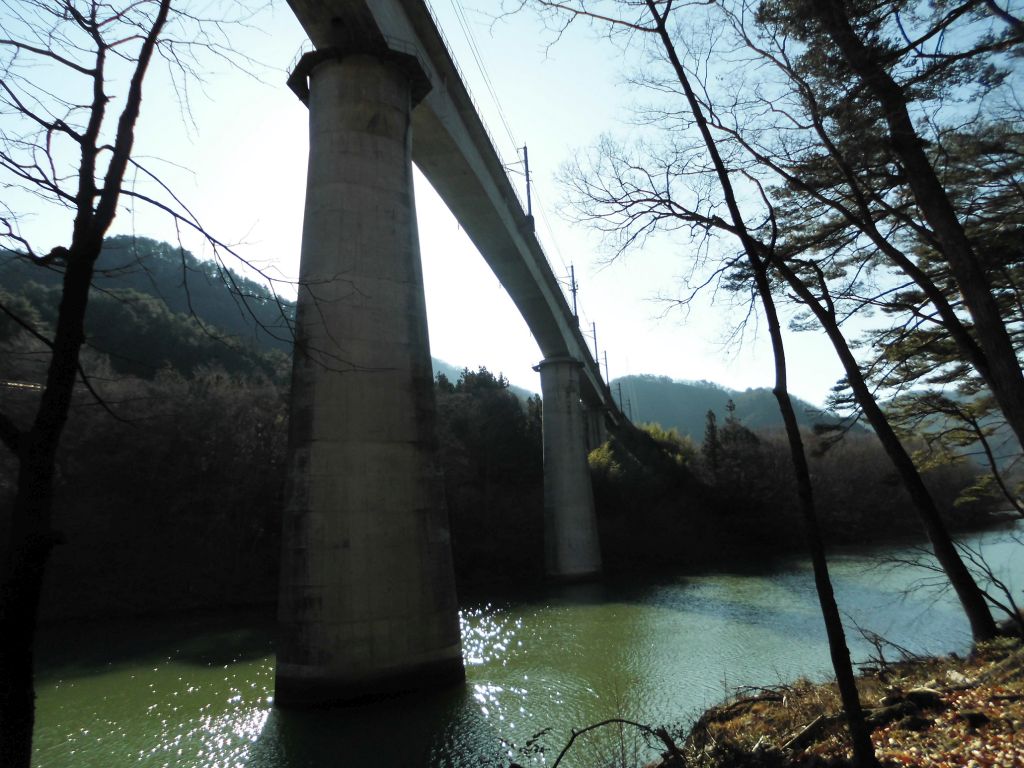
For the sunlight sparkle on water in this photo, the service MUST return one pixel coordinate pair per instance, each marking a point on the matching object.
(488, 635)
(218, 736)
(535, 670)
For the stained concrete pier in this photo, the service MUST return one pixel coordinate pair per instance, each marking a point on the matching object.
(571, 546)
(367, 600)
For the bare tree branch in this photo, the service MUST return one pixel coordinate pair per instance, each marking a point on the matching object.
(50, 54)
(659, 733)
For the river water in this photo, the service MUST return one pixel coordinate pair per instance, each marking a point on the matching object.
(199, 692)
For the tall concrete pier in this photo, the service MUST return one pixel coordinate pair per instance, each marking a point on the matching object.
(367, 601)
(571, 546)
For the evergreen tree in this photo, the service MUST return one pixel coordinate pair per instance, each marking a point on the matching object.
(711, 449)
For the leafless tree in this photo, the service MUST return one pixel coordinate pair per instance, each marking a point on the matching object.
(72, 76)
(772, 136)
(715, 203)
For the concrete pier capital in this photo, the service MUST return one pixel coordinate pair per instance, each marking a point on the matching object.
(547, 362)
(408, 64)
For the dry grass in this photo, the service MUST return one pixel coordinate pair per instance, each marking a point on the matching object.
(974, 717)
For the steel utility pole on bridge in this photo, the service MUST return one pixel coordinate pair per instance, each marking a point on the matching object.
(367, 601)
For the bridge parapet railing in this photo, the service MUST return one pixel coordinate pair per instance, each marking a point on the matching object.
(404, 46)
(407, 47)
(490, 136)
(476, 105)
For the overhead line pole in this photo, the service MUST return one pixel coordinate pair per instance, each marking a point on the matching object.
(526, 168)
(573, 287)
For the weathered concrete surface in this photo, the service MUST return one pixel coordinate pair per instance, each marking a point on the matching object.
(454, 152)
(367, 601)
(571, 547)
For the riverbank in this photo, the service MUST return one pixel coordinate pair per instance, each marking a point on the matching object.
(931, 712)
(197, 689)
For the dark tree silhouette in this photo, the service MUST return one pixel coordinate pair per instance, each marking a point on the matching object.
(634, 196)
(66, 66)
(754, 268)
(868, 60)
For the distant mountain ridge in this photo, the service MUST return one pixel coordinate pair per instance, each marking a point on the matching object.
(683, 405)
(155, 304)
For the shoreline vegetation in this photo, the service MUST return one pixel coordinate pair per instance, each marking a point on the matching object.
(175, 501)
(150, 534)
(947, 712)
(170, 492)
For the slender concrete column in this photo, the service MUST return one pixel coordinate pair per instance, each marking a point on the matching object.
(571, 544)
(367, 600)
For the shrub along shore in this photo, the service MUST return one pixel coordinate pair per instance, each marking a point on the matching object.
(948, 712)
(174, 507)
(174, 504)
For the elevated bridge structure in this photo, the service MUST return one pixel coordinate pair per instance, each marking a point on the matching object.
(367, 603)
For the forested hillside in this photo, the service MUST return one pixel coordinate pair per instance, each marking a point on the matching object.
(157, 306)
(239, 308)
(171, 470)
(683, 405)
(154, 306)
(169, 492)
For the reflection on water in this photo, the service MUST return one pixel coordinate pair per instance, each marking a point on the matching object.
(419, 730)
(489, 635)
(658, 651)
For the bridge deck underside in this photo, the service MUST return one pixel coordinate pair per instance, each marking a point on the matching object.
(452, 149)
(461, 189)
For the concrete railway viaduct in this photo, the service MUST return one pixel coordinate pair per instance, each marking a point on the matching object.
(367, 601)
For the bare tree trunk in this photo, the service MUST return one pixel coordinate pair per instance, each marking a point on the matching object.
(28, 553)
(95, 206)
(972, 599)
(860, 735)
(1005, 378)
(31, 538)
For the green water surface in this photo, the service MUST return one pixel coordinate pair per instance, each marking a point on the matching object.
(199, 692)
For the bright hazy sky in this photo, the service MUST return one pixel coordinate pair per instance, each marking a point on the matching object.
(247, 155)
